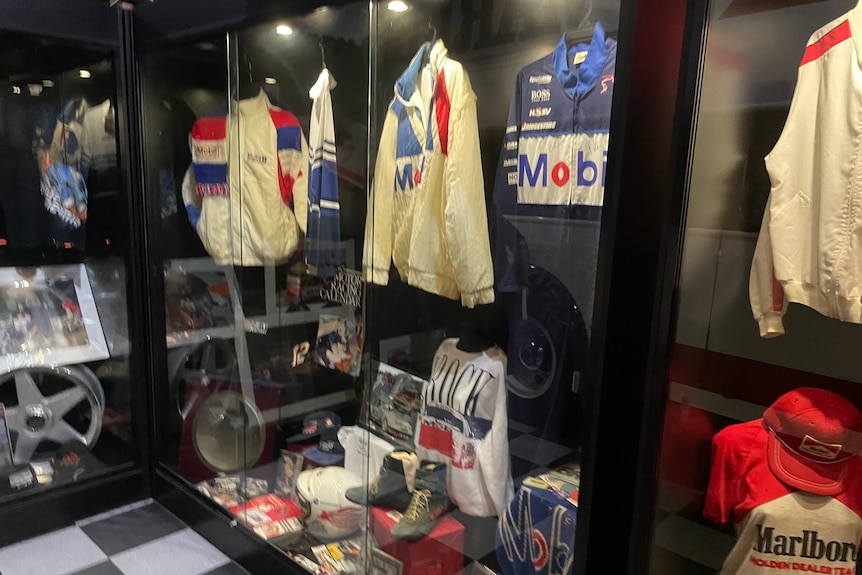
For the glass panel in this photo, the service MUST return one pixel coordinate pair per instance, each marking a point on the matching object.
(380, 292)
(250, 379)
(759, 235)
(65, 386)
(481, 245)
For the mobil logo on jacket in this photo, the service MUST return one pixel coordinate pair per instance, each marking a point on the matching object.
(408, 172)
(562, 170)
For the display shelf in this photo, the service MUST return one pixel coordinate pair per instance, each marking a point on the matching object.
(286, 319)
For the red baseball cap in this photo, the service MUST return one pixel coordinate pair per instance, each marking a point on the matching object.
(814, 436)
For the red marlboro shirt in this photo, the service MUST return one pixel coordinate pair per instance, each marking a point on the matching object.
(779, 529)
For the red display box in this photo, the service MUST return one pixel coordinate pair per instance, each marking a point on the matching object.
(441, 552)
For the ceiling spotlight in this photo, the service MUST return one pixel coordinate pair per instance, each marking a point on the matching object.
(284, 30)
(270, 80)
(48, 83)
(397, 6)
(84, 73)
(16, 89)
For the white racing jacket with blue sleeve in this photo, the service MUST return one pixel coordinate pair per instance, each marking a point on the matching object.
(554, 153)
(323, 230)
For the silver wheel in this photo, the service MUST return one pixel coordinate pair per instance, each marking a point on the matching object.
(214, 358)
(52, 405)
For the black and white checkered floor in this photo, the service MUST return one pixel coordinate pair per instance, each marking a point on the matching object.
(139, 539)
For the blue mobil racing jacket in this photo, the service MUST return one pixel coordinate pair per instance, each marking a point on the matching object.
(554, 154)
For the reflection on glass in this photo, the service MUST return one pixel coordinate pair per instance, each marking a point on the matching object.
(395, 355)
(746, 439)
(64, 342)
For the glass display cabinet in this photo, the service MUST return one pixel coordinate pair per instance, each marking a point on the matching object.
(376, 229)
(750, 447)
(72, 388)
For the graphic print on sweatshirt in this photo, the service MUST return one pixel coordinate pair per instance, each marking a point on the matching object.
(797, 533)
(449, 424)
(464, 424)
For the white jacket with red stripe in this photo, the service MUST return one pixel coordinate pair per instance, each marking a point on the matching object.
(427, 208)
(810, 245)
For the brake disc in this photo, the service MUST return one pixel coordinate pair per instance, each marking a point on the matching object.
(229, 432)
(54, 405)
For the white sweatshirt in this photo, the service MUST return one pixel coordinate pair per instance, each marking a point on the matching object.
(464, 423)
(427, 208)
(809, 249)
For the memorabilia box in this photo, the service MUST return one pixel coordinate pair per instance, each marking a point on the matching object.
(441, 552)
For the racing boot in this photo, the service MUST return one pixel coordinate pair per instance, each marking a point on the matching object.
(430, 501)
(393, 483)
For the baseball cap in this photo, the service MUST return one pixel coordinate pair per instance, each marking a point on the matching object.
(315, 424)
(814, 435)
(328, 451)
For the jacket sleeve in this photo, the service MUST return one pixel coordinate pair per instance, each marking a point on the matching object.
(467, 243)
(191, 199)
(789, 165)
(377, 249)
(509, 246)
(768, 303)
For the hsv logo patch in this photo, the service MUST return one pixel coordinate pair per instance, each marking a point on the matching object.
(259, 158)
(540, 112)
(818, 448)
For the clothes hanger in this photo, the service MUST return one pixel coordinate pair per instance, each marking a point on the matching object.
(583, 34)
(250, 88)
(322, 54)
(426, 56)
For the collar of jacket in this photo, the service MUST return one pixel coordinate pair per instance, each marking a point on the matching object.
(256, 106)
(581, 79)
(326, 81)
(405, 88)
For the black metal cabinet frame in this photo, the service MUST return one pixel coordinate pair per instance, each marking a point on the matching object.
(93, 24)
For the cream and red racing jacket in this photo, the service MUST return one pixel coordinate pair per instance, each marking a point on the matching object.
(246, 191)
(427, 210)
(809, 249)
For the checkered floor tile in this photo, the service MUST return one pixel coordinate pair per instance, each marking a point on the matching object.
(140, 539)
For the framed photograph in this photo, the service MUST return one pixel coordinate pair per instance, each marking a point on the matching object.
(48, 317)
(337, 346)
(394, 405)
(197, 298)
(383, 563)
